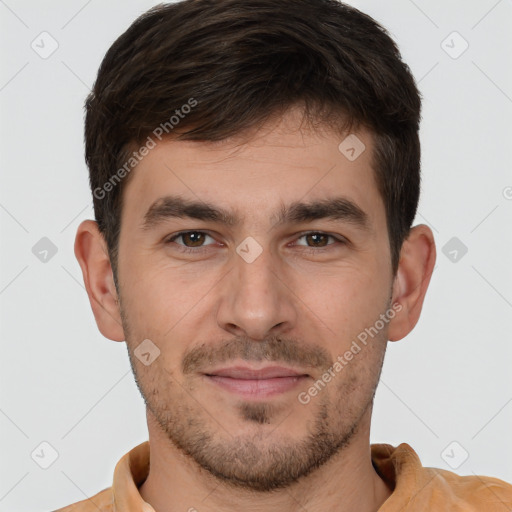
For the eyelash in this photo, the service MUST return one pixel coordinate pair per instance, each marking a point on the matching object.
(307, 250)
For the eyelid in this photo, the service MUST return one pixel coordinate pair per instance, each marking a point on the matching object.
(171, 238)
(338, 238)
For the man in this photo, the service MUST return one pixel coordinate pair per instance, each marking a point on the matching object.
(255, 168)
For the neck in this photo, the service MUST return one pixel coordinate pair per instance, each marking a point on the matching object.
(345, 483)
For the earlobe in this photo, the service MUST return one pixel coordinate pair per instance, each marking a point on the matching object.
(92, 255)
(417, 260)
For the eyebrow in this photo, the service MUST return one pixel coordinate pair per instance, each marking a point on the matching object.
(336, 208)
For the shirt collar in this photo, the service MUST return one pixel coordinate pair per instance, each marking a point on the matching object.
(129, 474)
(133, 468)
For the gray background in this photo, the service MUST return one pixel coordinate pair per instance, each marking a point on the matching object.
(446, 389)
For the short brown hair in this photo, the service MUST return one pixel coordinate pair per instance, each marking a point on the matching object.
(243, 62)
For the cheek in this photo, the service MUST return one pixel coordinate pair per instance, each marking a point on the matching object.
(157, 383)
(346, 303)
(156, 299)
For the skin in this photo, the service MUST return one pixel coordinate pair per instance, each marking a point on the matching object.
(213, 449)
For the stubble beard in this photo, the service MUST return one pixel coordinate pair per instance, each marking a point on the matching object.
(265, 460)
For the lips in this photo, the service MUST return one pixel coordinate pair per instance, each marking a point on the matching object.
(256, 383)
(269, 372)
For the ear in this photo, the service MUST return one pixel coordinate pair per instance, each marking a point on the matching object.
(417, 260)
(92, 255)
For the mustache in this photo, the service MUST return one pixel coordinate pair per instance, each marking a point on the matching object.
(272, 348)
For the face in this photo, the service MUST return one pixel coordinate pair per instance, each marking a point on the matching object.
(250, 298)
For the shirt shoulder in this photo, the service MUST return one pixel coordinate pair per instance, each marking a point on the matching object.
(416, 488)
(102, 502)
(470, 492)
(129, 473)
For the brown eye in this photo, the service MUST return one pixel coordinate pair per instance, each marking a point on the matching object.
(317, 239)
(190, 239)
(196, 238)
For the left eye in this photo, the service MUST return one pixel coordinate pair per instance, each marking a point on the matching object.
(195, 237)
(317, 237)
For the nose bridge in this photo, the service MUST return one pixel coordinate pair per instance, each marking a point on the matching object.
(256, 300)
(255, 273)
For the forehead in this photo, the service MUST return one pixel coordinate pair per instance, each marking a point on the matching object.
(256, 178)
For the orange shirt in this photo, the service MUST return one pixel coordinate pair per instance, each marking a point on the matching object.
(415, 488)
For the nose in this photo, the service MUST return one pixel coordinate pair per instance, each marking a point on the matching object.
(257, 301)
